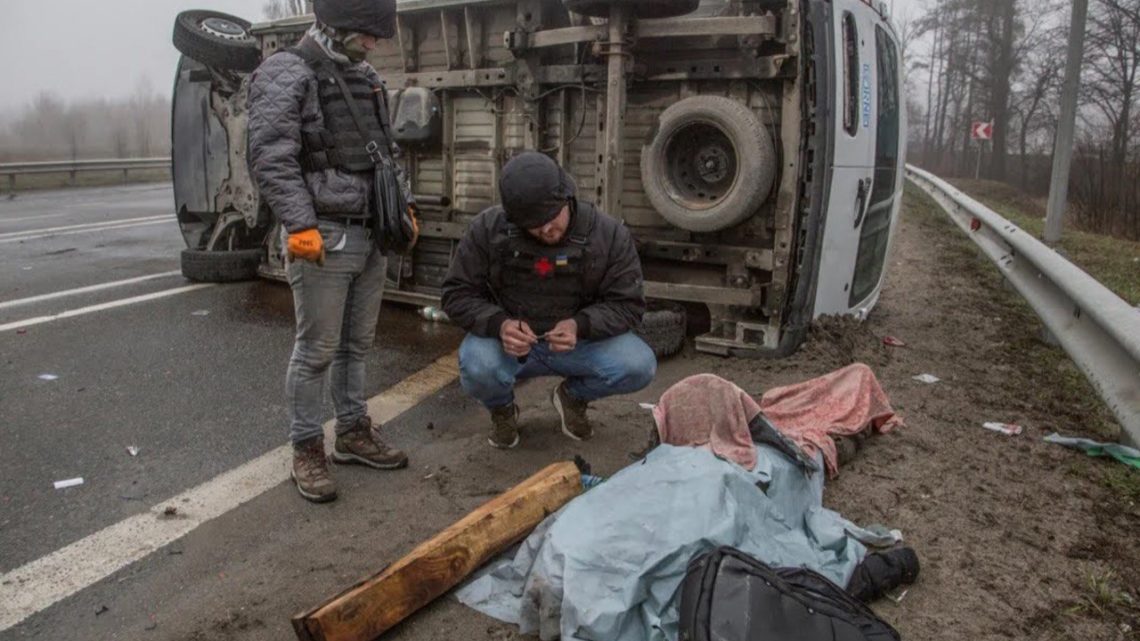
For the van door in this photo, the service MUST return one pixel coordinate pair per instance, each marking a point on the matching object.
(852, 175)
(886, 193)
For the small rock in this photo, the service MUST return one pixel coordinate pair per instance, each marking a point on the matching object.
(100, 610)
(170, 511)
(431, 426)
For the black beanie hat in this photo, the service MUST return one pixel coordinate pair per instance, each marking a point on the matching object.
(534, 189)
(374, 17)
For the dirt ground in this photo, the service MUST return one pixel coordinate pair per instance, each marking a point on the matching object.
(1018, 538)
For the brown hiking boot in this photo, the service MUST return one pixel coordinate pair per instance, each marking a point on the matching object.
(362, 446)
(504, 427)
(573, 414)
(311, 471)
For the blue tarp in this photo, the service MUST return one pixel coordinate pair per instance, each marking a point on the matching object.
(607, 567)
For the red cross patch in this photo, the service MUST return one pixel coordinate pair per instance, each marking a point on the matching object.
(543, 267)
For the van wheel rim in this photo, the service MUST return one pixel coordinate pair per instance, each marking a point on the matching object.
(222, 28)
(701, 165)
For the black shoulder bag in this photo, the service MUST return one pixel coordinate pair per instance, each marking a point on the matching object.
(392, 220)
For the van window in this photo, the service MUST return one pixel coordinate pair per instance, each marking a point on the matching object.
(850, 74)
(874, 236)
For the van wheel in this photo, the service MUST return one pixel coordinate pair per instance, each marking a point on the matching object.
(710, 165)
(221, 266)
(663, 328)
(217, 40)
(639, 8)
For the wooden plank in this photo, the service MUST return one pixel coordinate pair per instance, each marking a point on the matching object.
(375, 605)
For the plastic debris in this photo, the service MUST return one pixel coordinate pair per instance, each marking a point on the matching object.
(47, 377)
(647, 406)
(132, 450)
(200, 312)
(59, 485)
(929, 379)
(899, 598)
(891, 341)
(434, 314)
(1128, 455)
(590, 480)
(1009, 429)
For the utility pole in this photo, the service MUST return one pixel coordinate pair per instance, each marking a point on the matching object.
(1066, 128)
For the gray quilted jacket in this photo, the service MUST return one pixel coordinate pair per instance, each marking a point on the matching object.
(283, 103)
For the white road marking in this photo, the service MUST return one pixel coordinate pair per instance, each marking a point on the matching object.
(40, 583)
(104, 223)
(90, 309)
(85, 290)
(20, 239)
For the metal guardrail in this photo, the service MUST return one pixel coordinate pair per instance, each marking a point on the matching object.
(73, 167)
(1099, 330)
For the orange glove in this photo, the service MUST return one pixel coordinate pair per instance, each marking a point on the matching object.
(412, 211)
(307, 245)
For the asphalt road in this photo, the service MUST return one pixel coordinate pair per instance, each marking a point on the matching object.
(193, 379)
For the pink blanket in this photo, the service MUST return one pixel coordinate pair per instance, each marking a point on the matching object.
(708, 411)
(844, 402)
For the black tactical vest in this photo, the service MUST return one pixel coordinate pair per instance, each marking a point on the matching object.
(543, 284)
(340, 145)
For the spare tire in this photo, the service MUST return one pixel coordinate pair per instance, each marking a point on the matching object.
(216, 40)
(221, 266)
(710, 165)
(663, 328)
(639, 8)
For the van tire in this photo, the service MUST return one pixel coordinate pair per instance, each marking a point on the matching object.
(640, 8)
(663, 328)
(216, 40)
(221, 266)
(737, 156)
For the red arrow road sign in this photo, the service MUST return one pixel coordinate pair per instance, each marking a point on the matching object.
(982, 131)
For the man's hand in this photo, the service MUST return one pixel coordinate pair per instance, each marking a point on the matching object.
(413, 214)
(307, 245)
(564, 336)
(517, 337)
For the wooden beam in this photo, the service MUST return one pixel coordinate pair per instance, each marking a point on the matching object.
(368, 609)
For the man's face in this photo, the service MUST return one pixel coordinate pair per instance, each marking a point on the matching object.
(554, 231)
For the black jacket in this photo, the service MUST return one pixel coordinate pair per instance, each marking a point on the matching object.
(613, 300)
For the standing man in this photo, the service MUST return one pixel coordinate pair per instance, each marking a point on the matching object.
(309, 160)
(547, 285)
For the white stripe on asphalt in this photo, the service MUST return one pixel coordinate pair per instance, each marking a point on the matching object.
(40, 583)
(38, 320)
(20, 239)
(104, 223)
(85, 290)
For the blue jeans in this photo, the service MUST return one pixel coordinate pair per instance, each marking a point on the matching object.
(337, 306)
(594, 369)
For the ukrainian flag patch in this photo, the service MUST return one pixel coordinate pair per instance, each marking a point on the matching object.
(562, 261)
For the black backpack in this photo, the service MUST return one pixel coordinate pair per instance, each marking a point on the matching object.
(729, 596)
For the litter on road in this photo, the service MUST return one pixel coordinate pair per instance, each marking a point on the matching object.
(929, 379)
(1128, 455)
(132, 450)
(1009, 429)
(891, 341)
(66, 483)
(200, 312)
(48, 377)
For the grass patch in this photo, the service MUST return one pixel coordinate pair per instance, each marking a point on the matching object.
(34, 182)
(1101, 595)
(1114, 262)
(1124, 482)
(1057, 389)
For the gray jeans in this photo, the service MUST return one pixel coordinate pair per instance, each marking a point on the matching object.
(337, 306)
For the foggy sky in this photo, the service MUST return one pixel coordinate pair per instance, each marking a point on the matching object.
(81, 49)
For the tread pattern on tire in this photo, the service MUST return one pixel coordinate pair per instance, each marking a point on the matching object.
(663, 328)
(756, 160)
(221, 266)
(641, 8)
(236, 55)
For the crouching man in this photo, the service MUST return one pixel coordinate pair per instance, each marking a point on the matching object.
(547, 285)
